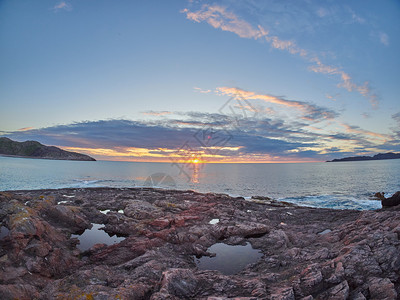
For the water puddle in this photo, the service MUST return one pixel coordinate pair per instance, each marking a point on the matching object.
(229, 259)
(4, 232)
(94, 236)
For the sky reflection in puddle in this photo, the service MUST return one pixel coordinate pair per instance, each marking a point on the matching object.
(229, 259)
(94, 236)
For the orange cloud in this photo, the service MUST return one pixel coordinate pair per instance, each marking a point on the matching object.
(180, 156)
(26, 128)
(310, 112)
(356, 130)
(201, 90)
(218, 17)
(347, 82)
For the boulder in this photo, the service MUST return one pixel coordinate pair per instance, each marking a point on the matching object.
(392, 201)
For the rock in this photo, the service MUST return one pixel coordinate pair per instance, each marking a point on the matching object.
(166, 231)
(310, 280)
(284, 293)
(338, 292)
(70, 216)
(391, 201)
(358, 296)
(380, 196)
(18, 291)
(179, 282)
(261, 198)
(381, 288)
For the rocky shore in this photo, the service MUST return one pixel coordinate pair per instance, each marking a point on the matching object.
(306, 253)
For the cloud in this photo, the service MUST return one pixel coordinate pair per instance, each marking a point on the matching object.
(347, 82)
(355, 17)
(309, 111)
(258, 139)
(384, 38)
(25, 128)
(333, 98)
(322, 12)
(197, 89)
(396, 117)
(366, 115)
(396, 130)
(219, 17)
(357, 130)
(62, 6)
(156, 113)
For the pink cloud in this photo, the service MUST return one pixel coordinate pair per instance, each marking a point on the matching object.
(218, 17)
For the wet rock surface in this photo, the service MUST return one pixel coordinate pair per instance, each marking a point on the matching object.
(306, 253)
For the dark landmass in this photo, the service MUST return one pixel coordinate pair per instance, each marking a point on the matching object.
(379, 156)
(306, 253)
(33, 149)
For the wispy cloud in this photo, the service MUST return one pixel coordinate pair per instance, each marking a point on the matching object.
(62, 6)
(25, 128)
(347, 82)
(333, 98)
(156, 113)
(384, 38)
(396, 130)
(366, 115)
(359, 131)
(396, 117)
(309, 111)
(322, 12)
(200, 90)
(355, 17)
(219, 17)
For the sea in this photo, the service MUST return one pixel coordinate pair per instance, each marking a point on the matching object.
(338, 185)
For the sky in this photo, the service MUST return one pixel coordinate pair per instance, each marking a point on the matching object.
(223, 81)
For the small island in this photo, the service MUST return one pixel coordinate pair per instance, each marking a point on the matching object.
(380, 156)
(34, 149)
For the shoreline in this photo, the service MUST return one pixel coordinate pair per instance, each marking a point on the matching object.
(306, 252)
(253, 198)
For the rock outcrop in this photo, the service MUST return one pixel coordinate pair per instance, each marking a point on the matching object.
(306, 253)
(394, 200)
(33, 149)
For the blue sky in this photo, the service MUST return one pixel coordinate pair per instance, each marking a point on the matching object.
(271, 80)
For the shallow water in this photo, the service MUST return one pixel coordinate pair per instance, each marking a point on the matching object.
(94, 236)
(342, 185)
(229, 259)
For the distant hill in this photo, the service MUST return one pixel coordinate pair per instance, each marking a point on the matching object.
(379, 156)
(33, 149)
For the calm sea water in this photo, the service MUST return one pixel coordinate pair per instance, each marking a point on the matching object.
(342, 185)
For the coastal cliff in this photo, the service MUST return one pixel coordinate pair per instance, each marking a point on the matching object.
(306, 253)
(33, 149)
